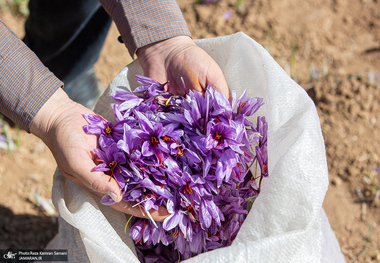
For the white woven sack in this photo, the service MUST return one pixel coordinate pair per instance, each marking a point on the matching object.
(287, 222)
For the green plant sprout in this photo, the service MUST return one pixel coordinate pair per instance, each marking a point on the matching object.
(293, 64)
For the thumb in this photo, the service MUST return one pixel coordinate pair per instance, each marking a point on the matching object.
(106, 185)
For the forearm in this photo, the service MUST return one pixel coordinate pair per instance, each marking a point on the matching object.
(25, 83)
(144, 22)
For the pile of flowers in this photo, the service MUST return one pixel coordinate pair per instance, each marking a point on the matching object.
(196, 155)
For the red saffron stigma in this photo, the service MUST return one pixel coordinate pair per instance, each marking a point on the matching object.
(141, 166)
(234, 173)
(111, 176)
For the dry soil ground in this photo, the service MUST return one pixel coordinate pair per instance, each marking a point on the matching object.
(330, 47)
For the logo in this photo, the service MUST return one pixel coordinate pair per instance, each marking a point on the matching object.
(10, 255)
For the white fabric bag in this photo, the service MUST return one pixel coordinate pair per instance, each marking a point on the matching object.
(287, 222)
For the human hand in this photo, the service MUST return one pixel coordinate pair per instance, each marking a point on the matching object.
(177, 57)
(59, 123)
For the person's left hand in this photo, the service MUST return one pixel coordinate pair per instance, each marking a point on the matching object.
(177, 57)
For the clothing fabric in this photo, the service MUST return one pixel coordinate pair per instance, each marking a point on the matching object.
(67, 36)
(142, 22)
(25, 83)
(68, 39)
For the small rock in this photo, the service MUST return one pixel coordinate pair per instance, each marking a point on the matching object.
(364, 115)
(367, 193)
(336, 181)
(354, 109)
(342, 173)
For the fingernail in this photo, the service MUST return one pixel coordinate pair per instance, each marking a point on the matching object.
(113, 196)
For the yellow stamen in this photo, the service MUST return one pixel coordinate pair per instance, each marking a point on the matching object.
(125, 229)
(112, 165)
(188, 189)
(167, 102)
(175, 234)
(154, 140)
(180, 152)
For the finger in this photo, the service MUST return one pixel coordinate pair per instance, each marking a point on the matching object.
(131, 208)
(95, 181)
(220, 84)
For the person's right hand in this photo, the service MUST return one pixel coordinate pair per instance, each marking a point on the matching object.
(59, 123)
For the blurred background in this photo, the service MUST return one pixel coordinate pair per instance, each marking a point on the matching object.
(330, 47)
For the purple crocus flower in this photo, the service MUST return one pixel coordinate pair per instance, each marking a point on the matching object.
(220, 136)
(225, 165)
(152, 143)
(192, 188)
(222, 108)
(128, 100)
(262, 128)
(262, 158)
(227, 15)
(156, 188)
(107, 132)
(209, 213)
(131, 140)
(198, 243)
(248, 106)
(111, 160)
(150, 87)
(175, 217)
(3, 138)
(141, 231)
